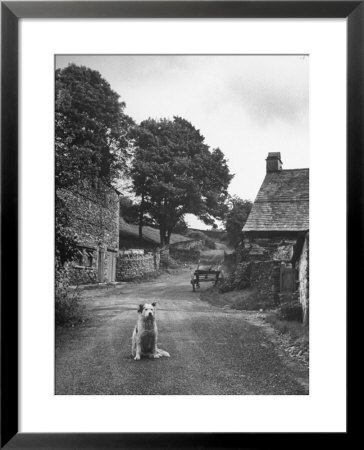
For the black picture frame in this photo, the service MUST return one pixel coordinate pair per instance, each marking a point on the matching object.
(11, 12)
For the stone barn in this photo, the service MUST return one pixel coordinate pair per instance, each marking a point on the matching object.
(93, 212)
(275, 239)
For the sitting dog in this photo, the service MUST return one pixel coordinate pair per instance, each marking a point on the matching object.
(145, 334)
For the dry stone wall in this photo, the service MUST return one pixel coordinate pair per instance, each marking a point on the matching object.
(130, 266)
(265, 277)
(261, 275)
(187, 245)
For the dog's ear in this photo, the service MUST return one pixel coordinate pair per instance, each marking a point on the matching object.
(154, 304)
(140, 309)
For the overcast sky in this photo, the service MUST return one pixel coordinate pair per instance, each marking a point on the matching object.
(245, 105)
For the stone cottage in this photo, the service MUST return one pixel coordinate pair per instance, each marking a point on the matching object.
(275, 238)
(94, 215)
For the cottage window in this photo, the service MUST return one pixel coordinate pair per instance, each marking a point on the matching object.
(88, 259)
(79, 258)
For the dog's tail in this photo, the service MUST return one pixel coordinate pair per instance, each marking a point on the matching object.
(163, 353)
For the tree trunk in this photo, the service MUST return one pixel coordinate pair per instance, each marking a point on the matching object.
(168, 237)
(162, 235)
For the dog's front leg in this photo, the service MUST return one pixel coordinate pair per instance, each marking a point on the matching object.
(133, 342)
(155, 350)
(138, 351)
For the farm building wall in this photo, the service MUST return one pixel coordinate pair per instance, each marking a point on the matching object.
(304, 279)
(266, 247)
(83, 271)
(94, 217)
(264, 252)
(265, 277)
(261, 256)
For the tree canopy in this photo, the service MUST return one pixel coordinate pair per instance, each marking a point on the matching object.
(174, 172)
(91, 128)
(236, 217)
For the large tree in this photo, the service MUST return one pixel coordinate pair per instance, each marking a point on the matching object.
(91, 128)
(236, 217)
(174, 173)
(91, 140)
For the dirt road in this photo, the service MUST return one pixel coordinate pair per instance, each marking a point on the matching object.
(213, 350)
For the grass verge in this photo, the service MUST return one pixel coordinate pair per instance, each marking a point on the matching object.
(297, 333)
(246, 299)
(280, 319)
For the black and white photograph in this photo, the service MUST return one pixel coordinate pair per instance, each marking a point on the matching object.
(182, 224)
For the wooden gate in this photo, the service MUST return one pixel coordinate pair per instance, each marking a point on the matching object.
(287, 278)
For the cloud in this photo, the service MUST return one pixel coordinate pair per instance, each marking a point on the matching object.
(265, 88)
(267, 103)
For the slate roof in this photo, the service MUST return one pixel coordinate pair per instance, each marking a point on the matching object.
(282, 203)
(149, 234)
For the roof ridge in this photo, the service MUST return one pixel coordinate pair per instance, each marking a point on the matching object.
(283, 201)
(290, 170)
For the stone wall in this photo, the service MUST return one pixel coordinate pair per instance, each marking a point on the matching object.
(304, 279)
(261, 275)
(265, 277)
(187, 245)
(130, 266)
(265, 253)
(94, 216)
(288, 297)
(259, 262)
(240, 278)
(85, 269)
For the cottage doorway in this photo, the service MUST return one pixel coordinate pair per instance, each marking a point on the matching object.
(111, 266)
(288, 278)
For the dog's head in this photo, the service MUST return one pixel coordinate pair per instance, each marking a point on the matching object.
(147, 310)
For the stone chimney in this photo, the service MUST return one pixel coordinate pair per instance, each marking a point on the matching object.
(274, 163)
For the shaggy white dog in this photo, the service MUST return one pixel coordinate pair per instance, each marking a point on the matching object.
(145, 334)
